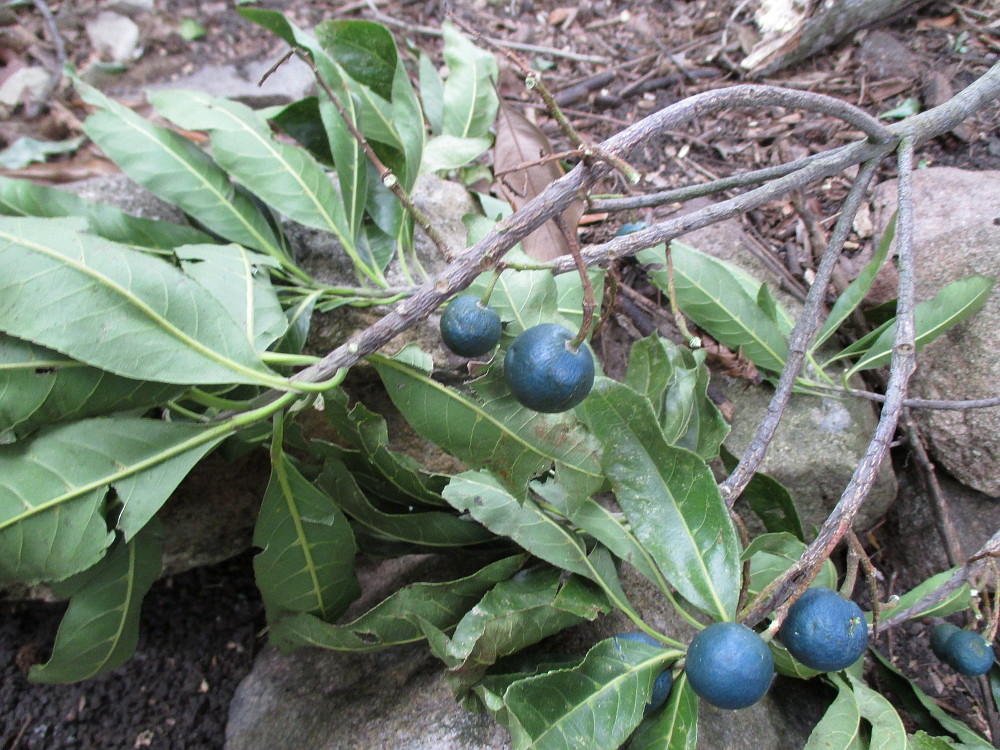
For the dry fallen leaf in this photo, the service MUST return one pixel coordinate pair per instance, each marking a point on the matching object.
(519, 141)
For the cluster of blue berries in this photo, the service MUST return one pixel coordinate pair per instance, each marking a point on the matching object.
(964, 651)
(543, 369)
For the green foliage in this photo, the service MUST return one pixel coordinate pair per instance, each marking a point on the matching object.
(131, 348)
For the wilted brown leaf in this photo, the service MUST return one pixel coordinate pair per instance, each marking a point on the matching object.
(519, 141)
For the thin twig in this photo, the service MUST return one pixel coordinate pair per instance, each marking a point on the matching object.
(36, 107)
(390, 180)
(798, 344)
(901, 368)
(589, 301)
(952, 544)
(918, 403)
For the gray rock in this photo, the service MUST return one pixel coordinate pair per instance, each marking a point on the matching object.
(956, 233)
(290, 82)
(114, 36)
(131, 7)
(118, 190)
(820, 440)
(399, 698)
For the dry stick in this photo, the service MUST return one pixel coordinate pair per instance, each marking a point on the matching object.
(871, 577)
(952, 544)
(902, 365)
(918, 403)
(555, 198)
(798, 344)
(589, 301)
(986, 554)
(388, 178)
(55, 76)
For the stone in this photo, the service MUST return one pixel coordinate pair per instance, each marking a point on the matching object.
(956, 234)
(291, 81)
(882, 56)
(820, 440)
(24, 86)
(114, 36)
(131, 7)
(399, 698)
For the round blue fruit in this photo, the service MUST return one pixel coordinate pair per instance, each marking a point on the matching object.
(469, 328)
(940, 637)
(825, 631)
(969, 653)
(545, 373)
(729, 665)
(664, 682)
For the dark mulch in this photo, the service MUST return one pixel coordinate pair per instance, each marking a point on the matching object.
(198, 639)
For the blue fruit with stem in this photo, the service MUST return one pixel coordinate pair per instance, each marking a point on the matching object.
(825, 631)
(969, 653)
(544, 370)
(469, 328)
(729, 665)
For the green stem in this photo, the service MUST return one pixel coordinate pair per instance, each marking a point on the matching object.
(485, 299)
(284, 358)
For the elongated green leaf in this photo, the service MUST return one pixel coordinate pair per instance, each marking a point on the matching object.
(480, 494)
(365, 50)
(770, 500)
(596, 704)
(673, 728)
(710, 294)
(770, 555)
(117, 309)
(394, 621)
(100, 629)
(604, 526)
(348, 155)
(409, 119)
(521, 443)
(451, 152)
(39, 386)
(431, 93)
(306, 563)
(852, 296)
(175, 170)
(515, 614)
(23, 198)
(956, 601)
(670, 498)
(470, 99)
(238, 278)
(521, 298)
(367, 431)
(953, 304)
(888, 732)
(840, 727)
(430, 528)
(54, 485)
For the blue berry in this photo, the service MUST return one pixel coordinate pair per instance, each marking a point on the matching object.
(969, 653)
(729, 665)
(825, 631)
(470, 328)
(544, 373)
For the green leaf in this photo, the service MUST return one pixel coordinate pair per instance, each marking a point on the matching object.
(302, 121)
(840, 727)
(238, 278)
(26, 150)
(191, 30)
(770, 555)
(349, 157)
(770, 500)
(431, 93)
(284, 176)
(673, 728)
(55, 485)
(522, 443)
(888, 732)
(117, 309)
(175, 170)
(430, 528)
(956, 601)
(39, 386)
(100, 629)
(365, 50)
(849, 300)
(445, 152)
(306, 563)
(710, 293)
(594, 705)
(409, 118)
(521, 298)
(517, 613)
(23, 198)
(909, 106)
(569, 304)
(953, 304)
(670, 498)
(481, 495)
(394, 621)
(470, 98)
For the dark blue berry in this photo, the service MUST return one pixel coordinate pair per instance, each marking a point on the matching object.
(470, 328)
(544, 373)
(729, 665)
